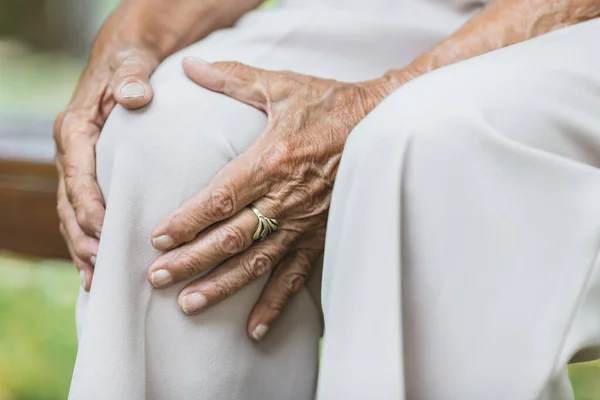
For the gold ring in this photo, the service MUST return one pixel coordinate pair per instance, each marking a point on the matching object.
(264, 227)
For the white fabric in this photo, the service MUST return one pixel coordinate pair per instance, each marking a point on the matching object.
(134, 342)
(462, 253)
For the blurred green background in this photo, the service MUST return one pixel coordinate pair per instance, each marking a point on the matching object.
(37, 297)
(37, 332)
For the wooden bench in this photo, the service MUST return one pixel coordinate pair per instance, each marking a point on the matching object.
(28, 181)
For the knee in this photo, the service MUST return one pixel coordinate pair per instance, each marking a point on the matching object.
(480, 99)
(185, 128)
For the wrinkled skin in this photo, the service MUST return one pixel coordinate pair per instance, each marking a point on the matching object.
(80, 204)
(124, 55)
(288, 174)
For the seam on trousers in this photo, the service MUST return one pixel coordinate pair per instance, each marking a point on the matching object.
(570, 325)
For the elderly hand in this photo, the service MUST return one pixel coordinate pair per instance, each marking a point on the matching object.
(287, 174)
(122, 78)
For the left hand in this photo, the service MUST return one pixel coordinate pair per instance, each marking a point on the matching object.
(288, 174)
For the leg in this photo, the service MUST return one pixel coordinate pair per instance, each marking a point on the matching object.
(148, 163)
(134, 342)
(479, 277)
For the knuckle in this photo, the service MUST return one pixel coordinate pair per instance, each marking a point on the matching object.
(271, 161)
(257, 264)
(230, 239)
(277, 206)
(69, 177)
(302, 196)
(83, 217)
(71, 195)
(221, 203)
(58, 126)
(183, 225)
(275, 306)
(222, 288)
(131, 69)
(127, 73)
(62, 209)
(79, 265)
(79, 248)
(286, 147)
(263, 168)
(74, 183)
(230, 70)
(186, 265)
(233, 67)
(97, 208)
(294, 281)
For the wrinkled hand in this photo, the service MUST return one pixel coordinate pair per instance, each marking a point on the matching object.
(122, 79)
(288, 174)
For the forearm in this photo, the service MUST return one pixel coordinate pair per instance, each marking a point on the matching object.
(500, 24)
(161, 27)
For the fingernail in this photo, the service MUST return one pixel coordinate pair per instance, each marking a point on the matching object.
(93, 260)
(163, 242)
(260, 331)
(193, 302)
(196, 60)
(97, 235)
(161, 278)
(82, 278)
(133, 90)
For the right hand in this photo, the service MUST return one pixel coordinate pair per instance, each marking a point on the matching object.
(121, 78)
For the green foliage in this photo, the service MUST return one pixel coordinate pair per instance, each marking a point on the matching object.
(37, 330)
(585, 378)
(269, 3)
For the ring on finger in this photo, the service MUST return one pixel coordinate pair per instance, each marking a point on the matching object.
(264, 227)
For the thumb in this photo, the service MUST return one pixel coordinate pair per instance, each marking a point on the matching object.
(131, 82)
(239, 81)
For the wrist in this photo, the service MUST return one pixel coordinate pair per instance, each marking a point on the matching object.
(123, 34)
(166, 26)
(393, 79)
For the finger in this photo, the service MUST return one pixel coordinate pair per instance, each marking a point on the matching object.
(209, 249)
(86, 271)
(238, 184)
(79, 171)
(287, 279)
(83, 246)
(235, 273)
(131, 81)
(239, 81)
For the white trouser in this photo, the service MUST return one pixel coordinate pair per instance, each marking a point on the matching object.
(472, 276)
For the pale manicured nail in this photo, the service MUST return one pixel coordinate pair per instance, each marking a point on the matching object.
(196, 60)
(193, 302)
(161, 278)
(82, 278)
(133, 90)
(163, 242)
(260, 331)
(97, 235)
(93, 260)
